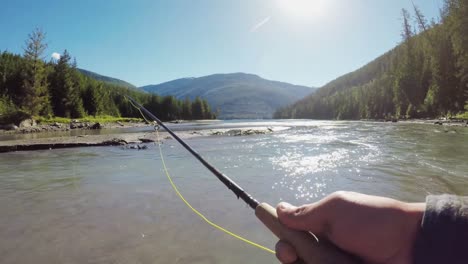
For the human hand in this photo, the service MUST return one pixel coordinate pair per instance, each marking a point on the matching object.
(376, 229)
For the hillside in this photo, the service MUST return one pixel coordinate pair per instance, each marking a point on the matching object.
(424, 76)
(235, 95)
(106, 79)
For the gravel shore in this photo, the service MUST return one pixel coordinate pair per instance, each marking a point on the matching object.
(133, 140)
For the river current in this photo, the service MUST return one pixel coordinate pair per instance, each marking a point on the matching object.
(115, 205)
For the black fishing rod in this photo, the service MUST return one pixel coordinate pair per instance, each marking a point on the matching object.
(307, 246)
(236, 189)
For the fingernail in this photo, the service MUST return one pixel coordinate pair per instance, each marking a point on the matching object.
(286, 206)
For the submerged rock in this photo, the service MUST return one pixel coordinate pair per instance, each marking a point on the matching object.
(137, 146)
(142, 147)
(115, 141)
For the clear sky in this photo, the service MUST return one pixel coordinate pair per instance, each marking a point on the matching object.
(308, 42)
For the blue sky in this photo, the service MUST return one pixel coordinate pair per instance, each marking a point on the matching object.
(308, 42)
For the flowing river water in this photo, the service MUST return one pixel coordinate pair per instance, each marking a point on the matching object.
(115, 205)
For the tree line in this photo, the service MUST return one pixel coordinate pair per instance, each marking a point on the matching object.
(32, 87)
(425, 76)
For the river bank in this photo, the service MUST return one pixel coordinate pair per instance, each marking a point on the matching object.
(31, 126)
(130, 140)
(440, 122)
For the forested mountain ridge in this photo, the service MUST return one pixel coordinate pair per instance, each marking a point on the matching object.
(425, 76)
(235, 95)
(32, 87)
(106, 79)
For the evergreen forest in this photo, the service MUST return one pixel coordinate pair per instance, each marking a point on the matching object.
(31, 87)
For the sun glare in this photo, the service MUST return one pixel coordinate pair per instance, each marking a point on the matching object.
(306, 10)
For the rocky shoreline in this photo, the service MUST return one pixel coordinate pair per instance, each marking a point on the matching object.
(30, 126)
(130, 140)
(441, 122)
(79, 141)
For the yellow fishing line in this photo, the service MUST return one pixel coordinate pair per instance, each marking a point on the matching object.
(200, 214)
(189, 205)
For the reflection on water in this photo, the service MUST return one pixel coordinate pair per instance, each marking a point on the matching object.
(114, 205)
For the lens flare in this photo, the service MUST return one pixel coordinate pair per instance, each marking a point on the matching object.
(306, 10)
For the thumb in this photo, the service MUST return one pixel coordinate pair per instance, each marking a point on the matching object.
(307, 217)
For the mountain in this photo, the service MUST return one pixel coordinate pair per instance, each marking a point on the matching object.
(425, 76)
(106, 79)
(235, 95)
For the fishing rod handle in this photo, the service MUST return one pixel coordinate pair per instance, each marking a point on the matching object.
(306, 245)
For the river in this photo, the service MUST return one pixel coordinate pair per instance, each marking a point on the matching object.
(115, 205)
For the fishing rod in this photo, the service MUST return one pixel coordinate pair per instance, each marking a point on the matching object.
(306, 244)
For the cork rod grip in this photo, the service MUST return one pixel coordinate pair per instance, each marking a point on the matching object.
(307, 247)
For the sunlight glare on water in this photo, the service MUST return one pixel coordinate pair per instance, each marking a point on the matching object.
(312, 156)
(115, 205)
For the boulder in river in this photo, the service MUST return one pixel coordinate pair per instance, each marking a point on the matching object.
(75, 125)
(234, 132)
(96, 126)
(27, 123)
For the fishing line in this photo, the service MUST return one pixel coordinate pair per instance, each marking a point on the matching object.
(179, 194)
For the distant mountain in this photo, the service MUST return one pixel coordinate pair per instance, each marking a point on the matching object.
(236, 95)
(106, 79)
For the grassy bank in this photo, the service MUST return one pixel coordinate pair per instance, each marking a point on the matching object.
(462, 116)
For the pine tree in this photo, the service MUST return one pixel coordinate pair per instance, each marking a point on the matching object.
(92, 97)
(197, 108)
(206, 110)
(65, 90)
(35, 99)
(187, 109)
(420, 19)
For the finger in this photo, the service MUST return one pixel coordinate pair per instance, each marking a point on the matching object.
(310, 217)
(285, 252)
